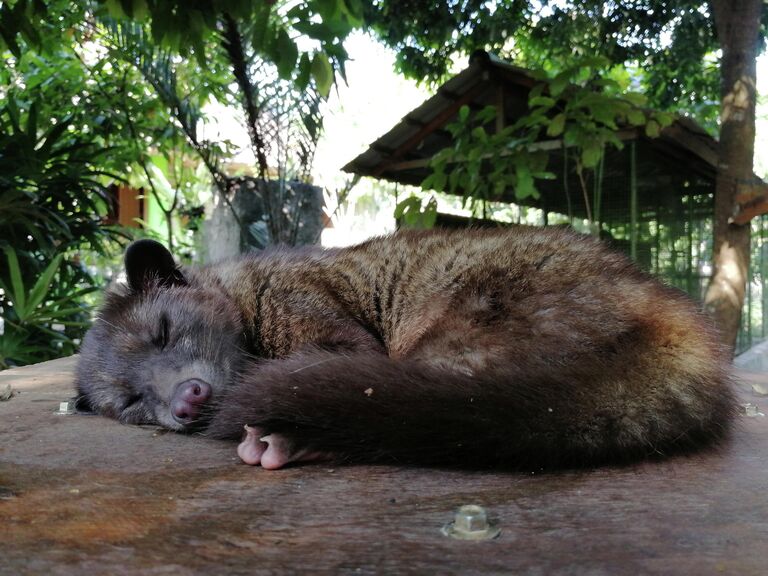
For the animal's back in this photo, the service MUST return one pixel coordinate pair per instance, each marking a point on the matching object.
(547, 293)
(571, 352)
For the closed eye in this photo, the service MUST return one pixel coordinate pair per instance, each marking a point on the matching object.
(161, 338)
(136, 411)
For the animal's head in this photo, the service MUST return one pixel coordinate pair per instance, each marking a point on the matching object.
(162, 347)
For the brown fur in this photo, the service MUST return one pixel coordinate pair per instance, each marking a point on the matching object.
(506, 347)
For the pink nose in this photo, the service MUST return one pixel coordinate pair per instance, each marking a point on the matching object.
(188, 398)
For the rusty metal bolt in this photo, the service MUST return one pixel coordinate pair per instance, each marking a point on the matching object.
(471, 523)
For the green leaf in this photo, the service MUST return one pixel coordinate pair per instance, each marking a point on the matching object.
(287, 52)
(41, 287)
(429, 216)
(635, 98)
(328, 9)
(76, 295)
(486, 115)
(442, 156)
(406, 204)
(543, 101)
(60, 313)
(305, 70)
(556, 126)
(198, 46)
(479, 134)
(590, 156)
(140, 10)
(259, 36)
(18, 295)
(115, 9)
(605, 112)
(13, 114)
(322, 72)
(317, 30)
(439, 181)
(610, 137)
(537, 161)
(32, 122)
(426, 183)
(464, 113)
(537, 90)
(652, 129)
(558, 84)
(524, 186)
(636, 117)
(52, 136)
(355, 12)
(664, 118)
(9, 37)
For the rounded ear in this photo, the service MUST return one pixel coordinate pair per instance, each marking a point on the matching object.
(147, 260)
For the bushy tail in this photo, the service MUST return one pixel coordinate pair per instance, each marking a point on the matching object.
(366, 407)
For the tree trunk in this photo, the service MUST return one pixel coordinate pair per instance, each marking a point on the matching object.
(738, 25)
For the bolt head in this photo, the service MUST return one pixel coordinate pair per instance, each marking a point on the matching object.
(471, 518)
(470, 522)
(66, 408)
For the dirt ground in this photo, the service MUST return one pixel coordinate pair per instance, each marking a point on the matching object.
(84, 495)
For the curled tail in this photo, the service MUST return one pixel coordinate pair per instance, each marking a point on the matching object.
(366, 407)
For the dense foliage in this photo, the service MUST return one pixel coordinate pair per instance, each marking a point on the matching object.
(51, 199)
(669, 45)
(114, 91)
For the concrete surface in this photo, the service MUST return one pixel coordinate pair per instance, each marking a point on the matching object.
(85, 495)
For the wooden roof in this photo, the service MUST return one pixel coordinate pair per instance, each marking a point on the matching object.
(683, 159)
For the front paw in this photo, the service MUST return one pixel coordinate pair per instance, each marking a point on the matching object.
(251, 448)
(273, 451)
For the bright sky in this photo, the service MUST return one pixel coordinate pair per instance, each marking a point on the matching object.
(374, 99)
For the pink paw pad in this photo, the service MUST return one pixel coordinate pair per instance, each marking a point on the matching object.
(272, 451)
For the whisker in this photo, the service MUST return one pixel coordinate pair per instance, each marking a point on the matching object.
(323, 361)
(118, 328)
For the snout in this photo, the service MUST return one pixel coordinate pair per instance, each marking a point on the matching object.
(188, 400)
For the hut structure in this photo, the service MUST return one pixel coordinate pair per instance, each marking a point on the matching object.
(653, 198)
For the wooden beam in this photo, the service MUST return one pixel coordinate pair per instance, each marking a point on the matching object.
(752, 201)
(745, 214)
(748, 192)
(428, 128)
